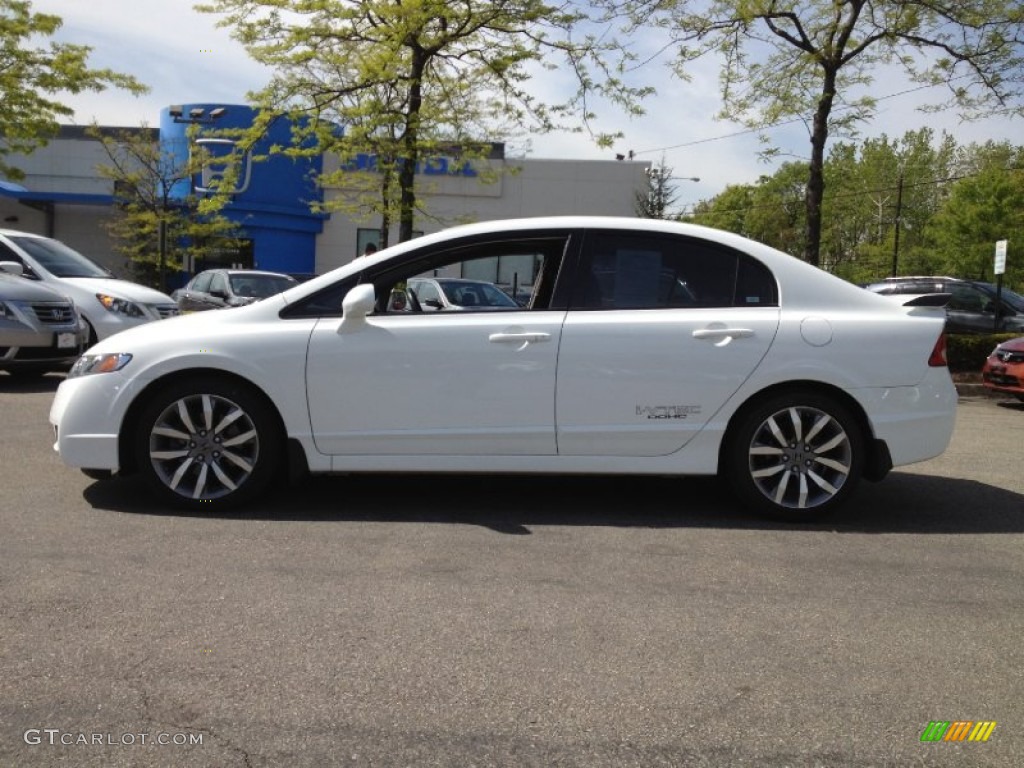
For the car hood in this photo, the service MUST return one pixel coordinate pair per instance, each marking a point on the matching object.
(1013, 345)
(122, 289)
(203, 326)
(21, 289)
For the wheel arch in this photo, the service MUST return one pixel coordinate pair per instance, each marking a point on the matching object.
(877, 462)
(127, 458)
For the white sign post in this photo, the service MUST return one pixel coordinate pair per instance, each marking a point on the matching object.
(1000, 257)
(1000, 270)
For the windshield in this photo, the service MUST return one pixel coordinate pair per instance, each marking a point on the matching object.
(260, 286)
(1012, 298)
(466, 293)
(59, 260)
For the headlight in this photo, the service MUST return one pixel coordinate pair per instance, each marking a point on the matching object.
(121, 306)
(108, 363)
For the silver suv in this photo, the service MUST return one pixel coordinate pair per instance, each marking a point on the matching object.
(40, 330)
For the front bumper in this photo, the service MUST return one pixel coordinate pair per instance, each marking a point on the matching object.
(1008, 379)
(33, 348)
(86, 416)
(107, 323)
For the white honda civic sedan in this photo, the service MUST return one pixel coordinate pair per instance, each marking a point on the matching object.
(646, 348)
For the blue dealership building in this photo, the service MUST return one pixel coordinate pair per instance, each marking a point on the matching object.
(279, 202)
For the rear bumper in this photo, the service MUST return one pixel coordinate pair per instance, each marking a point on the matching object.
(915, 423)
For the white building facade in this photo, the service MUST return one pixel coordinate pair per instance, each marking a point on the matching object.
(64, 196)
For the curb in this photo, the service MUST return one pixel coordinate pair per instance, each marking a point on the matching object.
(979, 390)
(976, 390)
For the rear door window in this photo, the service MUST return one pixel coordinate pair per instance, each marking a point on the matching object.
(630, 271)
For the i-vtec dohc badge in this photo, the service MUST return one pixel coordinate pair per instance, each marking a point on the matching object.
(666, 411)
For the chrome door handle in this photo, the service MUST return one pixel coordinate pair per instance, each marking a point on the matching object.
(721, 333)
(518, 338)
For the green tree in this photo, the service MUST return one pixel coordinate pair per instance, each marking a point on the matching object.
(656, 201)
(984, 206)
(727, 210)
(777, 215)
(814, 60)
(769, 211)
(879, 197)
(154, 226)
(32, 79)
(407, 81)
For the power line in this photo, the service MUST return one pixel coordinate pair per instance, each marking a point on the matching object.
(780, 123)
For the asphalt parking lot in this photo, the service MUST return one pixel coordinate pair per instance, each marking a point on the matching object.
(416, 621)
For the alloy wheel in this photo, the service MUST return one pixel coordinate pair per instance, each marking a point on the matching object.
(800, 457)
(203, 446)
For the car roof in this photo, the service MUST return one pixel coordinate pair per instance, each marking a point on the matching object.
(800, 282)
(442, 279)
(922, 278)
(924, 283)
(18, 232)
(248, 272)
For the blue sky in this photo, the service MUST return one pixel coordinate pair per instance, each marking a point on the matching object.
(184, 57)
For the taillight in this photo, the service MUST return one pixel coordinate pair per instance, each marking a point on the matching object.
(938, 358)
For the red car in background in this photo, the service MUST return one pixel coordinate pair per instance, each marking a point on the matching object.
(1004, 369)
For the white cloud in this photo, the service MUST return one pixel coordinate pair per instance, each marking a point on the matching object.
(179, 53)
(184, 57)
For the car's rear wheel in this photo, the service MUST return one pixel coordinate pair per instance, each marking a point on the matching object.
(208, 442)
(796, 456)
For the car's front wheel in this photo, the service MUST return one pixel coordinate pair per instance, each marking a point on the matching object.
(208, 442)
(796, 456)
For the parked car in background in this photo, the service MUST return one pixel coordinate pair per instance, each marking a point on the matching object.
(520, 295)
(756, 377)
(40, 330)
(220, 288)
(451, 294)
(972, 303)
(106, 304)
(1003, 371)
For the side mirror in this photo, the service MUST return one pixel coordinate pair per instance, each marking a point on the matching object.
(12, 268)
(357, 304)
(218, 293)
(432, 303)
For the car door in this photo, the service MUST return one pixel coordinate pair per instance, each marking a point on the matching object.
(661, 331)
(437, 383)
(216, 297)
(427, 294)
(192, 295)
(969, 310)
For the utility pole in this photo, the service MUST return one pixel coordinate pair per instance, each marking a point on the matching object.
(899, 215)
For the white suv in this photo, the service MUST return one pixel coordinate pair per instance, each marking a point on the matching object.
(107, 305)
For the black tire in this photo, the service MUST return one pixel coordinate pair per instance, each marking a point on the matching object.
(92, 338)
(795, 456)
(98, 474)
(208, 443)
